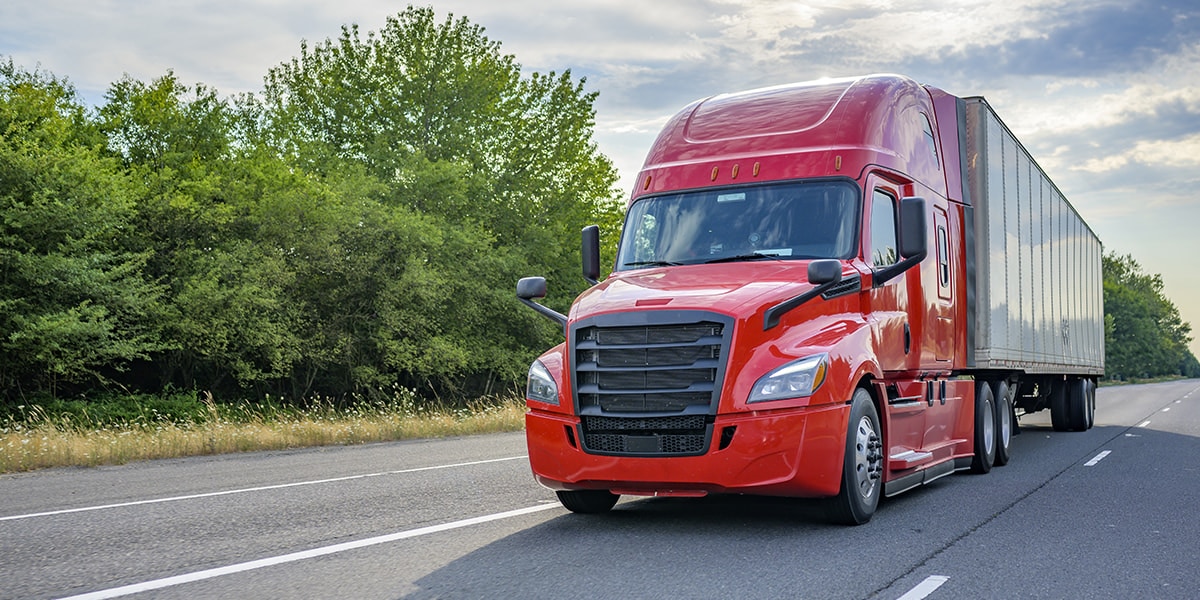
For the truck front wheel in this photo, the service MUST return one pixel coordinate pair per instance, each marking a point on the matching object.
(862, 469)
(587, 501)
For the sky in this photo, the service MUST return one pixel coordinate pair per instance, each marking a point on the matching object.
(1105, 95)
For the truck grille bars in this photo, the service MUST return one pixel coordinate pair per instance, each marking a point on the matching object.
(649, 389)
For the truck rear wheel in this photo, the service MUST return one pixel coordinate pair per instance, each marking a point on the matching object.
(1004, 421)
(1078, 404)
(985, 429)
(587, 501)
(1058, 406)
(1091, 402)
(862, 469)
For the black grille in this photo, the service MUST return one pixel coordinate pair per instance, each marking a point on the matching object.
(645, 423)
(631, 375)
(646, 435)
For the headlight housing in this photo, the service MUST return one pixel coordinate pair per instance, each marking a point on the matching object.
(797, 379)
(541, 385)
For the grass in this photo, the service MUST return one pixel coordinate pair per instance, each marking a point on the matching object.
(106, 433)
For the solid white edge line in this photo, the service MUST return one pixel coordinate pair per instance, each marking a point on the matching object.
(254, 489)
(925, 588)
(295, 556)
(1097, 458)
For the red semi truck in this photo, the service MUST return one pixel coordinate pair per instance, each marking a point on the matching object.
(837, 289)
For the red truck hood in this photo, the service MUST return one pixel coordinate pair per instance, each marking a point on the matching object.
(737, 289)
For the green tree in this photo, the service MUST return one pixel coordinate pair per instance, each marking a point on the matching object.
(485, 176)
(1144, 333)
(75, 306)
(203, 204)
(424, 100)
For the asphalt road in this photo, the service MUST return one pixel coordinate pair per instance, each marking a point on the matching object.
(1107, 513)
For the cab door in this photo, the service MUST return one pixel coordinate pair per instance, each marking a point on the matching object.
(945, 398)
(887, 309)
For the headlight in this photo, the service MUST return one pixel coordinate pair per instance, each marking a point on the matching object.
(541, 385)
(794, 380)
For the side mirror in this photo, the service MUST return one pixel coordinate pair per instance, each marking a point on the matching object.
(914, 243)
(913, 229)
(529, 288)
(824, 271)
(591, 254)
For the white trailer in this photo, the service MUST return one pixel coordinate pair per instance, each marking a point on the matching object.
(1036, 275)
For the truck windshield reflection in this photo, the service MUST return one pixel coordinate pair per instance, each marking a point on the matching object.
(802, 221)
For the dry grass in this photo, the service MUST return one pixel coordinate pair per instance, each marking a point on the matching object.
(38, 442)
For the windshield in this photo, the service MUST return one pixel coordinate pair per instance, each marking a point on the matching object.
(786, 221)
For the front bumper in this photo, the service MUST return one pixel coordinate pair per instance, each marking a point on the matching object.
(794, 452)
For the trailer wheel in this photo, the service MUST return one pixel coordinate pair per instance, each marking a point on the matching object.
(862, 469)
(985, 429)
(587, 501)
(1077, 404)
(1058, 406)
(1091, 402)
(1004, 422)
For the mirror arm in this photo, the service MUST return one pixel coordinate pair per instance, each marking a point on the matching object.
(547, 312)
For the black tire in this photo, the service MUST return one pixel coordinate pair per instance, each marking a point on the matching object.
(1058, 406)
(1077, 404)
(1091, 402)
(587, 501)
(1004, 422)
(985, 429)
(862, 469)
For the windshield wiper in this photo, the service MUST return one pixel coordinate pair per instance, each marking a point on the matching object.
(754, 256)
(652, 263)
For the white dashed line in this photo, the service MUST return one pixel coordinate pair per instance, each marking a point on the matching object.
(1097, 458)
(925, 588)
(1143, 423)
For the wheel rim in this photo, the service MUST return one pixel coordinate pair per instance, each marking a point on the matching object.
(989, 427)
(867, 458)
(1005, 415)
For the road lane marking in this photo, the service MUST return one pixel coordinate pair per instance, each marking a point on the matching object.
(256, 489)
(925, 588)
(1167, 409)
(1097, 458)
(1143, 423)
(157, 584)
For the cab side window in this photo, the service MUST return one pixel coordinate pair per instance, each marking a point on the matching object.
(883, 230)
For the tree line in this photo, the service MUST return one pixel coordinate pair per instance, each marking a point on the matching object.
(1144, 334)
(359, 224)
(355, 226)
